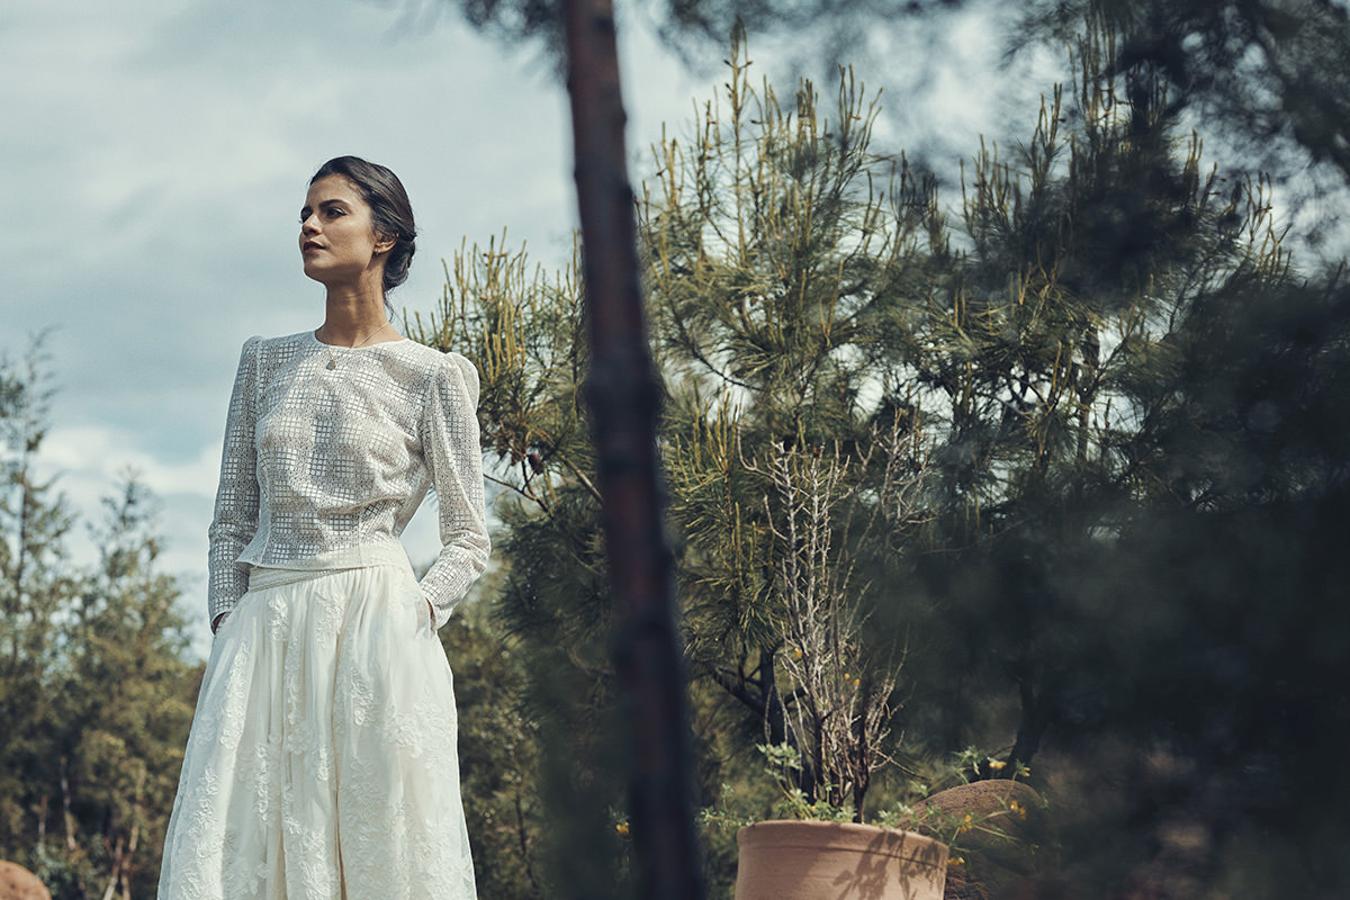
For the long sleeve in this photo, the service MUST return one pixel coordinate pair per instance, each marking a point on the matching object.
(235, 520)
(450, 443)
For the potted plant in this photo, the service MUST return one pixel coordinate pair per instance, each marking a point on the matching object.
(818, 844)
(816, 850)
(954, 834)
(840, 710)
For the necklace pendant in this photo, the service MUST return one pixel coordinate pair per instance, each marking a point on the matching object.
(332, 364)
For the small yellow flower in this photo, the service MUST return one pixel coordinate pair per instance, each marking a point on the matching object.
(857, 681)
(622, 829)
(956, 861)
(967, 823)
(997, 764)
(797, 652)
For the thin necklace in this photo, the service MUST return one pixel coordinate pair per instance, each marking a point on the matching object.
(332, 360)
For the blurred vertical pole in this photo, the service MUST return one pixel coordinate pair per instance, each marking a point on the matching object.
(622, 392)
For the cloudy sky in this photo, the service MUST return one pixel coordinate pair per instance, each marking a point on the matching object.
(157, 153)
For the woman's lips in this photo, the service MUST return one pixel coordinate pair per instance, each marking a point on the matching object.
(308, 247)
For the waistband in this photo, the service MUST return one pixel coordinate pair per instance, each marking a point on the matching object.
(357, 557)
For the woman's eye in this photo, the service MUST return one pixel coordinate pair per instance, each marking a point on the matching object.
(331, 210)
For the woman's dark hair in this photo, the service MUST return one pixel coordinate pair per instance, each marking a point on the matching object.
(390, 211)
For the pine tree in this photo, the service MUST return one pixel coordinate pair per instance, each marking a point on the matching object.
(808, 293)
(95, 691)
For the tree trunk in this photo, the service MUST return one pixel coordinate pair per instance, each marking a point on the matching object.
(116, 874)
(67, 816)
(622, 392)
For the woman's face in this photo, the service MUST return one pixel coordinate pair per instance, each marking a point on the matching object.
(338, 221)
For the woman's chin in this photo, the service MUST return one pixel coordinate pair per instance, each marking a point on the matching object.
(329, 272)
(318, 273)
(314, 269)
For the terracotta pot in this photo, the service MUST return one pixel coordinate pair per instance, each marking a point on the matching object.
(17, 883)
(1007, 865)
(787, 859)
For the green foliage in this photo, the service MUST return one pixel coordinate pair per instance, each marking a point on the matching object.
(1019, 397)
(499, 746)
(784, 760)
(94, 688)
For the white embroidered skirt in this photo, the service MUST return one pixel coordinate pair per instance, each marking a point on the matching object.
(322, 762)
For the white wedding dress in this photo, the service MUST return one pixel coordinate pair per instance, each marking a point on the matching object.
(322, 761)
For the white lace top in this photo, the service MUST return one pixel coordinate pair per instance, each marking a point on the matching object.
(319, 460)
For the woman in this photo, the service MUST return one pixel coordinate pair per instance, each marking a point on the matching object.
(322, 759)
